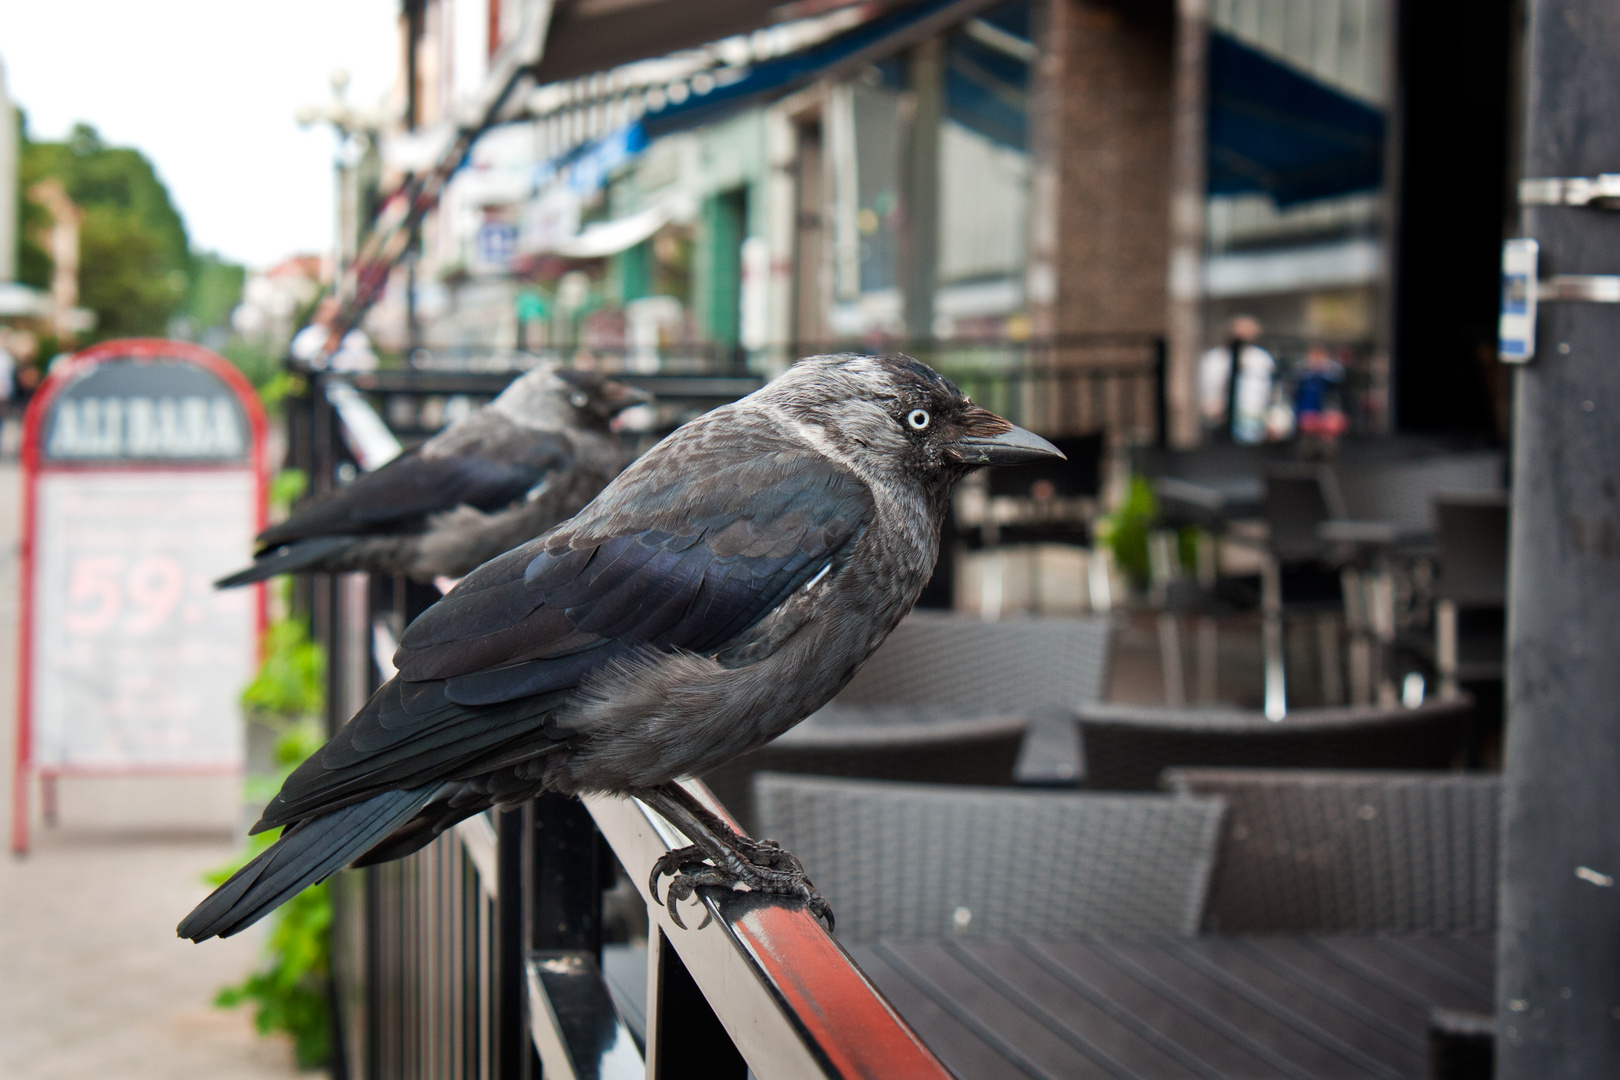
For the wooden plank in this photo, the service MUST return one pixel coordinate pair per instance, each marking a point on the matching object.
(1363, 957)
(1395, 1002)
(992, 1018)
(1390, 1051)
(1468, 955)
(1400, 1024)
(1267, 1033)
(1205, 1051)
(967, 1056)
(1097, 1037)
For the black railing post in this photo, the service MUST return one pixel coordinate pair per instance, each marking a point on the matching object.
(688, 1040)
(513, 1048)
(1161, 393)
(562, 869)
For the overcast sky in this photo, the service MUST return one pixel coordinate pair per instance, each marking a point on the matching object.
(207, 90)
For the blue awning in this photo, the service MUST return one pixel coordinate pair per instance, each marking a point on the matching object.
(986, 88)
(730, 91)
(1275, 130)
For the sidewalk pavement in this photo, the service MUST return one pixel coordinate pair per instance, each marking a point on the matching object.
(93, 982)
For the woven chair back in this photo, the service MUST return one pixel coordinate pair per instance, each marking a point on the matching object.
(1358, 852)
(914, 861)
(966, 664)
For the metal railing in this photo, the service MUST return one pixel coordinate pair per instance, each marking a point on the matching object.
(1069, 385)
(479, 957)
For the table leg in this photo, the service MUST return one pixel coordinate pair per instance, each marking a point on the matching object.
(1208, 658)
(1355, 621)
(1445, 646)
(1381, 608)
(1327, 646)
(1175, 680)
(1271, 634)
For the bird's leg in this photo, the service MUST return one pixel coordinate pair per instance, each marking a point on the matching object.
(766, 853)
(721, 857)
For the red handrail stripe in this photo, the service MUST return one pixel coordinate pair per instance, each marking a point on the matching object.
(846, 1020)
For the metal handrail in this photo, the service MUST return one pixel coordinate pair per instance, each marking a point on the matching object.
(791, 999)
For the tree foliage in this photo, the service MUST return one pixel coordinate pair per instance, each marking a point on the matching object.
(136, 267)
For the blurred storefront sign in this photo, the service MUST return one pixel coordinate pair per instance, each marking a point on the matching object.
(143, 481)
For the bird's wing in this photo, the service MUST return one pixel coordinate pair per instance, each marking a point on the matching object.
(486, 473)
(680, 557)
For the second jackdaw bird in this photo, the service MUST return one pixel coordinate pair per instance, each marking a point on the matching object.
(723, 587)
(504, 474)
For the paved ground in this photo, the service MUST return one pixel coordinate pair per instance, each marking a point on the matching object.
(93, 982)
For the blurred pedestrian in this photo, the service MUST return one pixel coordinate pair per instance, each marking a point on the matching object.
(8, 386)
(1234, 385)
(1317, 408)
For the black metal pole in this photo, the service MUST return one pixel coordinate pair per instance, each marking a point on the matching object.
(564, 876)
(1161, 392)
(1558, 990)
(513, 1048)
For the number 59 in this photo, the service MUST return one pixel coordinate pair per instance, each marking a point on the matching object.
(98, 590)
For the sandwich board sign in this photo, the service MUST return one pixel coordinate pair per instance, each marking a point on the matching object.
(143, 481)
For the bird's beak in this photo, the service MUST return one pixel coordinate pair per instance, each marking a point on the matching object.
(620, 396)
(990, 440)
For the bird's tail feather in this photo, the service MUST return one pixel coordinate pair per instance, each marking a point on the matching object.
(308, 852)
(302, 555)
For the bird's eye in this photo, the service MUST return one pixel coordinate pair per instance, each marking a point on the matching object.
(578, 400)
(917, 419)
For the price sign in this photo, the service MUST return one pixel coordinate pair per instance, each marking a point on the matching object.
(143, 482)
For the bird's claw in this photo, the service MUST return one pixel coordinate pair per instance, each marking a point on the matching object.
(674, 863)
(762, 865)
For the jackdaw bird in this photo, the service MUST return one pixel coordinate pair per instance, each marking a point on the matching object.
(724, 586)
(504, 474)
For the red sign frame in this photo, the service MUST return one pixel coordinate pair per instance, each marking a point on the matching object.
(62, 374)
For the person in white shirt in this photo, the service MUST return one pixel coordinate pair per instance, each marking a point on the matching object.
(1236, 413)
(8, 383)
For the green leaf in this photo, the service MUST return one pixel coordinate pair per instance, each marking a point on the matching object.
(1126, 529)
(292, 680)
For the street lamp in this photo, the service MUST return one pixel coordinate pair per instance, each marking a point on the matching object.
(354, 161)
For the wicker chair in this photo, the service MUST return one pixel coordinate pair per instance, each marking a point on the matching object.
(878, 744)
(919, 861)
(1359, 852)
(1043, 668)
(970, 666)
(1126, 747)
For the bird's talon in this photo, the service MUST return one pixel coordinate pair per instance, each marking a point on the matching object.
(679, 889)
(683, 887)
(673, 863)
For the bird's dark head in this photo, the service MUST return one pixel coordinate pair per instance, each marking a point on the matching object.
(895, 417)
(552, 396)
